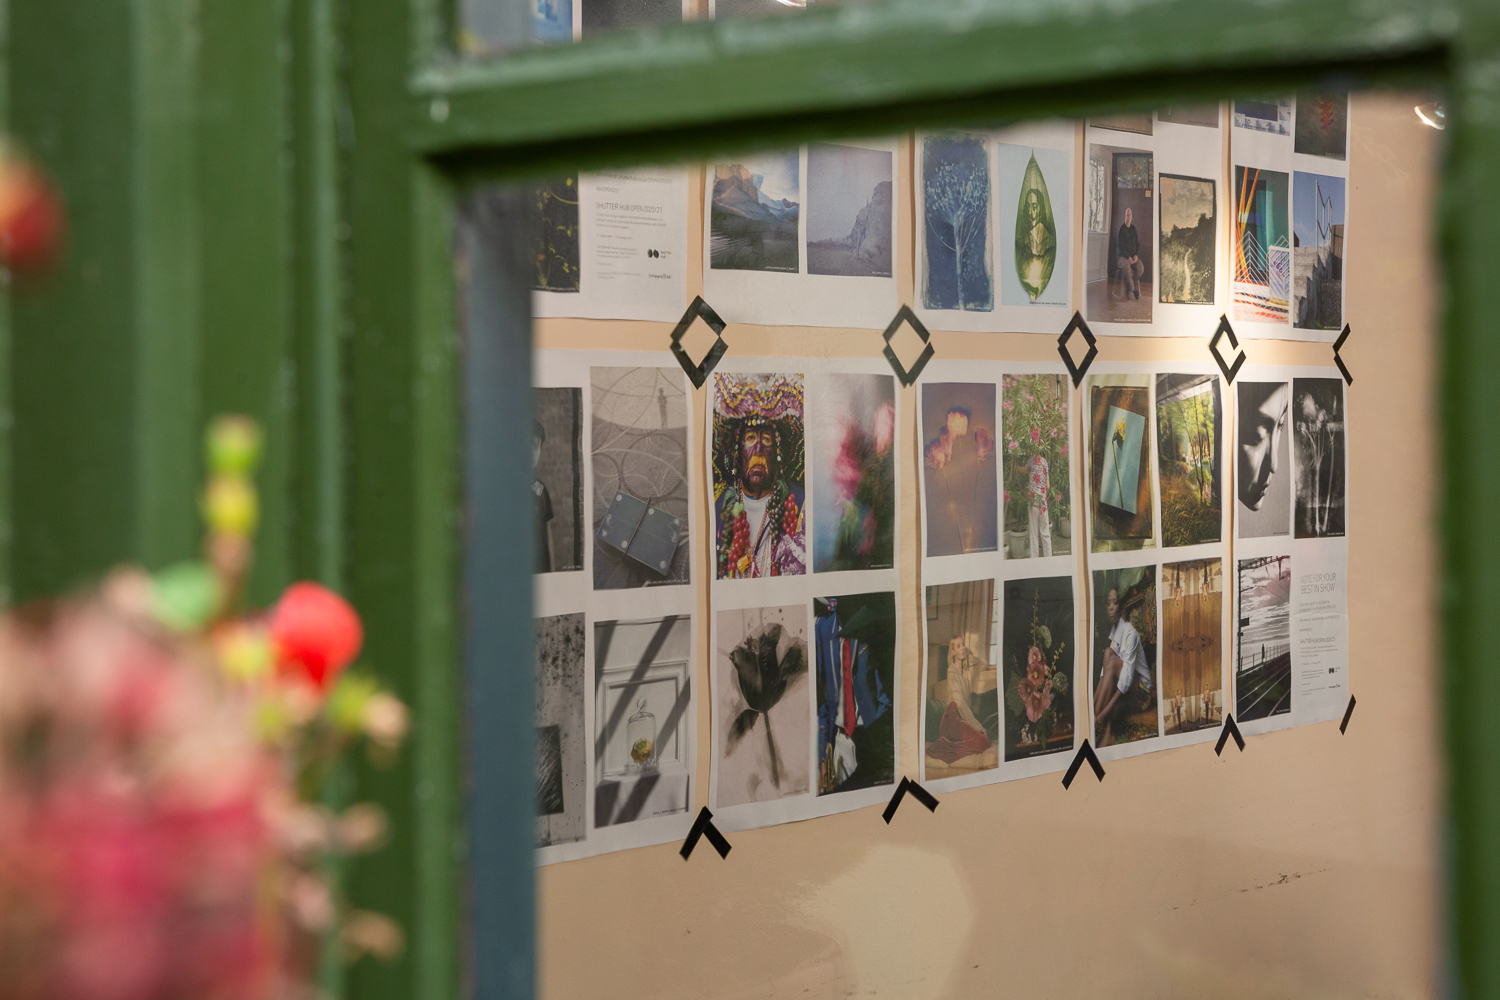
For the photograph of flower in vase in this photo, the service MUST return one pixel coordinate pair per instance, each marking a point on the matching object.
(1038, 666)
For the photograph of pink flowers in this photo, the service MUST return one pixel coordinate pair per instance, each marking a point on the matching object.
(1120, 513)
(1038, 663)
(958, 467)
(961, 721)
(1125, 690)
(1038, 494)
(854, 474)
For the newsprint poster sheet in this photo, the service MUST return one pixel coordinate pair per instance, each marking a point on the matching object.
(613, 489)
(1001, 630)
(806, 634)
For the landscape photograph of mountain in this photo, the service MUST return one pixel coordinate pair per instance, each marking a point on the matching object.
(848, 210)
(755, 211)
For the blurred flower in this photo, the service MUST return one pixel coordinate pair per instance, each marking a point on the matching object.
(32, 220)
(386, 719)
(316, 631)
(885, 428)
(984, 444)
(957, 422)
(230, 506)
(233, 446)
(373, 934)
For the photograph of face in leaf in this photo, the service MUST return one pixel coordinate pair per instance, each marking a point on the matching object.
(1188, 421)
(1119, 462)
(1318, 420)
(961, 727)
(765, 707)
(1034, 225)
(855, 640)
(960, 490)
(1038, 667)
(1124, 661)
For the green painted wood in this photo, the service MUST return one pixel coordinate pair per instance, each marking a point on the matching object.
(889, 65)
(245, 217)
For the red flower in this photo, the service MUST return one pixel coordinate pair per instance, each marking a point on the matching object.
(315, 631)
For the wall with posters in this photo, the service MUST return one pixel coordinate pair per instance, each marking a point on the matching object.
(1307, 864)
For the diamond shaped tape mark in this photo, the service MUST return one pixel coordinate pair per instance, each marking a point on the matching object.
(1230, 371)
(698, 371)
(905, 376)
(1077, 371)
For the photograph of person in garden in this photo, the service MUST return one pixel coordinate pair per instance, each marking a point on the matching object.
(1038, 496)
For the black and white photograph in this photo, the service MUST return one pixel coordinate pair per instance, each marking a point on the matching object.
(1318, 426)
(642, 700)
(640, 469)
(764, 740)
(1262, 476)
(561, 743)
(849, 203)
(1263, 665)
(557, 478)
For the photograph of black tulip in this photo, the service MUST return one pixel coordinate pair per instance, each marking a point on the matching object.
(764, 706)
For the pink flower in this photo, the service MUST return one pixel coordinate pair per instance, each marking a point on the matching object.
(984, 443)
(1064, 451)
(867, 541)
(1007, 496)
(939, 451)
(885, 428)
(1036, 435)
(847, 468)
(1012, 445)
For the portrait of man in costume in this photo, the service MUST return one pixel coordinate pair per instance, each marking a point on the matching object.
(759, 515)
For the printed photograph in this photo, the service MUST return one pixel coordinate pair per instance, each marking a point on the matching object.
(961, 724)
(1038, 494)
(856, 663)
(1121, 235)
(764, 704)
(552, 21)
(1262, 474)
(554, 234)
(561, 742)
(642, 700)
(754, 214)
(1204, 115)
(1318, 426)
(1126, 703)
(961, 499)
(1120, 462)
(759, 492)
(1189, 416)
(1263, 670)
(849, 203)
(1137, 123)
(957, 258)
(854, 468)
(618, 15)
(1262, 275)
(1273, 117)
(1034, 227)
(1322, 125)
(640, 468)
(1192, 651)
(1317, 251)
(1189, 235)
(557, 478)
(1038, 657)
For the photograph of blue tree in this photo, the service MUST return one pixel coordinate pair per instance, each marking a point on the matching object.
(561, 758)
(1322, 125)
(1189, 230)
(1318, 419)
(1038, 657)
(1125, 691)
(754, 215)
(1189, 418)
(553, 207)
(856, 662)
(848, 210)
(957, 267)
(1119, 462)
(961, 501)
(1317, 251)
(1263, 671)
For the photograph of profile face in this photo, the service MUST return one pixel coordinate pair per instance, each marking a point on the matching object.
(1262, 477)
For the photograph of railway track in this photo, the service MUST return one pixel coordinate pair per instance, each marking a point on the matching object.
(1263, 669)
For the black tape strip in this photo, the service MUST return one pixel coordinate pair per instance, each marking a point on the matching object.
(704, 826)
(1079, 370)
(1230, 729)
(698, 371)
(905, 315)
(1085, 753)
(1230, 371)
(1348, 379)
(1347, 712)
(890, 809)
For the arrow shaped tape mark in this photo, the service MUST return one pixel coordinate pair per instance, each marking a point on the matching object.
(1348, 379)
(703, 826)
(1230, 371)
(890, 809)
(1085, 753)
(1347, 712)
(1230, 729)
